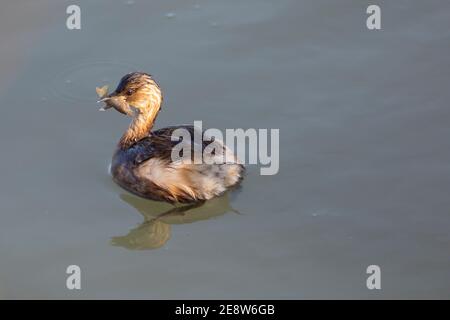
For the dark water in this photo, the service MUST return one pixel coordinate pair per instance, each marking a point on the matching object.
(364, 150)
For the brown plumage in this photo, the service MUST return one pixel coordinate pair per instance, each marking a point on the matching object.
(142, 162)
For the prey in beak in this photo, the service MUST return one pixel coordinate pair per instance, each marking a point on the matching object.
(103, 95)
(113, 100)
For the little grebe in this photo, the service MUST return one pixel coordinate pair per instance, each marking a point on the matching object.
(142, 162)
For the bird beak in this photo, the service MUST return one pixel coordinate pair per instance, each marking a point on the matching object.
(114, 101)
(106, 106)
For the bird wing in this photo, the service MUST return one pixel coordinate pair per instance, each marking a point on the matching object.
(159, 143)
(182, 181)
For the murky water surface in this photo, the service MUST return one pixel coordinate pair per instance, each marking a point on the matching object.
(364, 161)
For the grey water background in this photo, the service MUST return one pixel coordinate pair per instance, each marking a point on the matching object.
(364, 151)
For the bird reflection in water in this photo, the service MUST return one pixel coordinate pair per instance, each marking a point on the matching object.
(155, 230)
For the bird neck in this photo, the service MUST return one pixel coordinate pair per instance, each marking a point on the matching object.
(140, 126)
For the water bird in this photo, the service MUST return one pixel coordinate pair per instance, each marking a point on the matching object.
(142, 162)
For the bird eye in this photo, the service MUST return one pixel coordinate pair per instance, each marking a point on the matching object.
(130, 92)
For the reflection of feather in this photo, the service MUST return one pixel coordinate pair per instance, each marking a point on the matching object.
(153, 210)
(102, 92)
(155, 231)
(149, 235)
